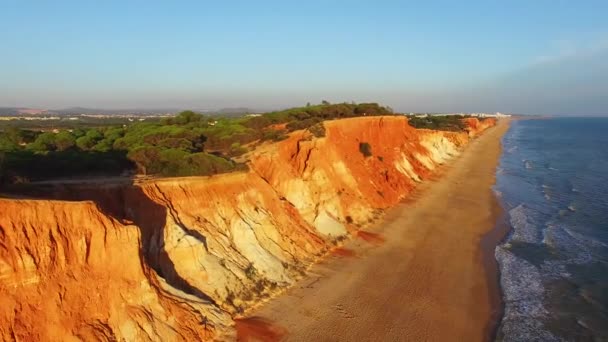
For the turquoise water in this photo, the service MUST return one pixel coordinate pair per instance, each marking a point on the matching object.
(553, 181)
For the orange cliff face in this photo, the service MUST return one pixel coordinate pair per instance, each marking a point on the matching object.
(330, 181)
(69, 272)
(475, 126)
(175, 259)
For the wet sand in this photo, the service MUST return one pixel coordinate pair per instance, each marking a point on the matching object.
(427, 273)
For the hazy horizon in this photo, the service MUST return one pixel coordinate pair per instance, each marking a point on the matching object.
(542, 57)
(270, 109)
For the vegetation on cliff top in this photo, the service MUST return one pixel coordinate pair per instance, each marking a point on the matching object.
(439, 122)
(184, 145)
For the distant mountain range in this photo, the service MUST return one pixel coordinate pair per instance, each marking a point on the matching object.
(16, 111)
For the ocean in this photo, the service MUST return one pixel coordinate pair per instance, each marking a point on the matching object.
(553, 182)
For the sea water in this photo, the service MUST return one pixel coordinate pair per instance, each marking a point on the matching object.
(553, 182)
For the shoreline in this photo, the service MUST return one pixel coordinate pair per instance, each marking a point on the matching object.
(489, 242)
(413, 282)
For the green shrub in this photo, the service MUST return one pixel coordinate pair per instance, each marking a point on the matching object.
(439, 122)
(318, 130)
(274, 135)
(250, 271)
(236, 149)
(304, 117)
(365, 149)
(64, 140)
(206, 164)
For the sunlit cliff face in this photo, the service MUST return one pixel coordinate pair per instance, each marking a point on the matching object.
(176, 259)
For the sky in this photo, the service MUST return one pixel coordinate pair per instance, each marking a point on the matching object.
(528, 57)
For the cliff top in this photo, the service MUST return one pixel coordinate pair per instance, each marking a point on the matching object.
(189, 144)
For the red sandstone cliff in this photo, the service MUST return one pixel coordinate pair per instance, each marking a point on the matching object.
(174, 259)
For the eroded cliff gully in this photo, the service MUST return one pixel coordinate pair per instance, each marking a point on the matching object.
(176, 259)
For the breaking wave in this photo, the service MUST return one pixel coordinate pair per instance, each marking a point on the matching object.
(523, 291)
(523, 230)
(522, 281)
(554, 262)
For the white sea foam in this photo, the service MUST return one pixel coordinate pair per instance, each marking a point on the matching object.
(523, 292)
(523, 230)
(497, 193)
(546, 192)
(512, 149)
(571, 248)
(522, 282)
(586, 240)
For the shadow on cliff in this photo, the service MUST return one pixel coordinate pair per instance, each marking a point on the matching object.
(258, 329)
(24, 166)
(126, 202)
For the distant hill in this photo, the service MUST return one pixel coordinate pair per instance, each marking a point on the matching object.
(84, 110)
(222, 112)
(12, 111)
(238, 110)
(225, 112)
(8, 111)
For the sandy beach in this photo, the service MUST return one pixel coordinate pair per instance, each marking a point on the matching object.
(421, 275)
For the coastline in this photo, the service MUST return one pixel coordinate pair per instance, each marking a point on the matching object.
(428, 267)
(489, 242)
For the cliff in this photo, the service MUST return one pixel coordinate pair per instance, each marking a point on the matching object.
(69, 272)
(176, 259)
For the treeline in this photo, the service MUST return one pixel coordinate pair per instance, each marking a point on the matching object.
(184, 145)
(453, 123)
(305, 117)
(175, 147)
(62, 122)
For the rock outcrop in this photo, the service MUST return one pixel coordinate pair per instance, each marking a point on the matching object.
(176, 259)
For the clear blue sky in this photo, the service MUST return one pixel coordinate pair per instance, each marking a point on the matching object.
(529, 56)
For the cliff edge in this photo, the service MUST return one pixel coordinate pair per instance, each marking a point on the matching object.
(176, 259)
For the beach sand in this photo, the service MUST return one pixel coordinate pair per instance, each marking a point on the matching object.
(426, 273)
